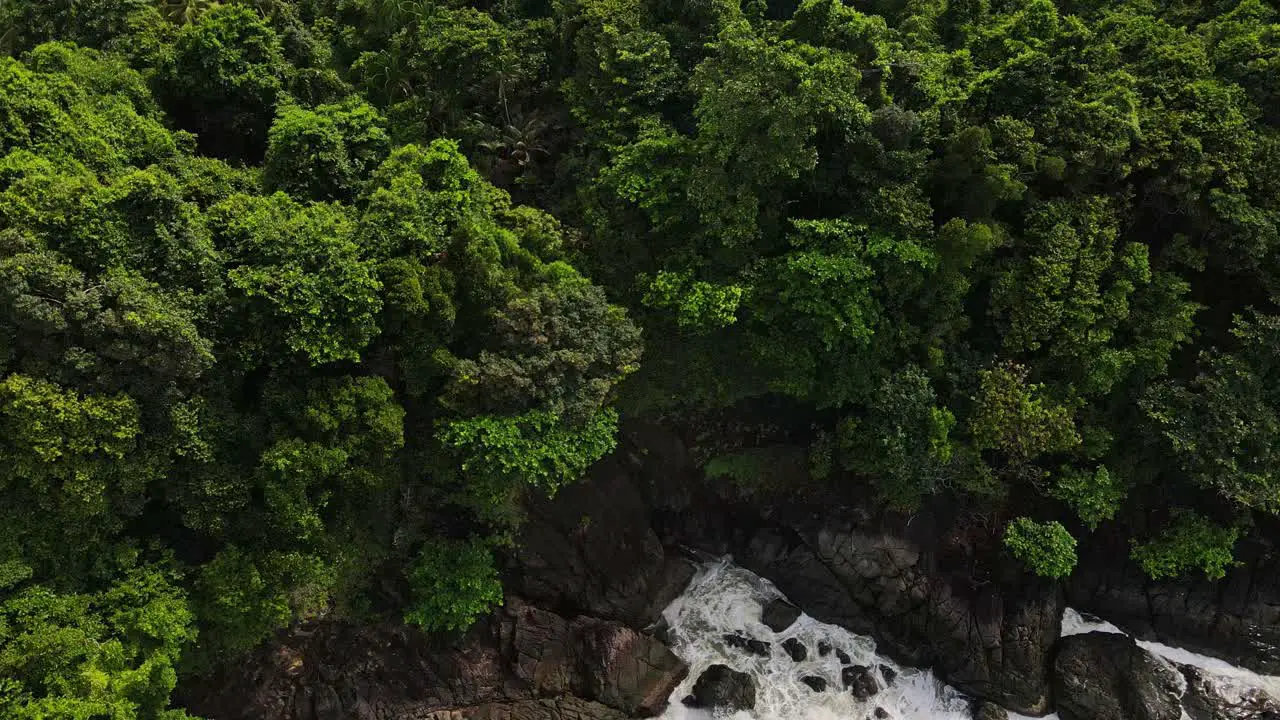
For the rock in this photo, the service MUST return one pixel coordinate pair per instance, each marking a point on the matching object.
(565, 708)
(824, 648)
(720, 687)
(504, 667)
(881, 713)
(1211, 696)
(750, 645)
(859, 680)
(1105, 676)
(795, 649)
(1236, 618)
(815, 683)
(592, 550)
(622, 668)
(843, 657)
(985, 710)
(689, 701)
(888, 673)
(779, 615)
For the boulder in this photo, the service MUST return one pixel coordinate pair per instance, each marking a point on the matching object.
(815, 683)
(624, 669)
(1212, 696)
(888, 673)
(989, 711)
(1106, 676)
(860, 680)
(779, 615)
(824, 648)
(748, 645)
(795, 649)
(843, 657)
(720, 687)
(881, 713)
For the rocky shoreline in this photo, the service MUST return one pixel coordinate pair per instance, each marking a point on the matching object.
(578, 636)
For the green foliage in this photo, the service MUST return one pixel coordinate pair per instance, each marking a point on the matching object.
(1220, 424)
(452, 582)
(223, 80)
(1189, 542)
(536, 448)
(903, 442)
(1094, 494)
(106, 654)
(1013, 417)
(283, 379)
(697, 304)
(304, 281)
(1046, 548)
(327, 153)
(281, 301)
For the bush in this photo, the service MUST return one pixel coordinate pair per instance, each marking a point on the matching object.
(1044, 547)
(1190, 541)
(453, 582)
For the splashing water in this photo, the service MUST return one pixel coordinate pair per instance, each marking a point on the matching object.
(724, 599)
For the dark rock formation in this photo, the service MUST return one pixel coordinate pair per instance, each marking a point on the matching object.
(720, 687)
(1105, 676)
(989, 711)
(933, 590)
(779, 615)
(566, 708)
(859, 680)
(1236, 618)
(748, 645)
(815, 683)
(1216, 697)
(881, 713)
(795, 649)
(592, 551)
(888, 673)
(824, 648)
(333, 671)
(843, 657)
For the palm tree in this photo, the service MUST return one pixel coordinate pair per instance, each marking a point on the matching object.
(185, 12)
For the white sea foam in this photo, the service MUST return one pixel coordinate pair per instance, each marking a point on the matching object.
(724, 599)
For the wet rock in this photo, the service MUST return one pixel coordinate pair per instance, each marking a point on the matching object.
(888, 673)
(824, 648)
(859, 680)
(843, 657)
(795, 649)
(1236, 618)
(779, 615)
(720, 687)
(881, 713)
(1105, 676)
(815, 683)
(989, 711)
(1211, 696)
(749, 645)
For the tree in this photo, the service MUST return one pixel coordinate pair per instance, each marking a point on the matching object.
(299, 278)
(224, 80)
(327, 153)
